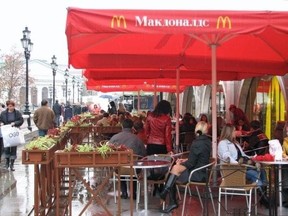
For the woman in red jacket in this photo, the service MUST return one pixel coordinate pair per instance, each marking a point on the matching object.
(158, 129)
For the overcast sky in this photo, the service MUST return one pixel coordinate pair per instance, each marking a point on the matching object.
(46, 19)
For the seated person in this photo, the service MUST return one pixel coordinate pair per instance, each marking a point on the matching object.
(187, 124)
(130, 140)
(199, 155)
(285, 171)
(257, 142)
(104, 121)
(230, 151)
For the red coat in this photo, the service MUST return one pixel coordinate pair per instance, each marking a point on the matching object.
(158, 130)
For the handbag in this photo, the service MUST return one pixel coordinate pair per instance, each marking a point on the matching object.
(12, 136)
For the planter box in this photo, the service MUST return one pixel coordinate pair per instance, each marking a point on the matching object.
(108, 130)
(39, 156)
(93, 159)
(81, 129)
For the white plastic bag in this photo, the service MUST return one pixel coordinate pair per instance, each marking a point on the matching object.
(275, 149)
(12, 136)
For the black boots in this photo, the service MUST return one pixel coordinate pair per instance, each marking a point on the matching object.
(172, 200)
(168, 185)
(12, 164)
(124, 194)
(7, 163)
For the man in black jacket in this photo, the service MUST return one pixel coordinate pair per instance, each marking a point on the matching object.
(57, 109)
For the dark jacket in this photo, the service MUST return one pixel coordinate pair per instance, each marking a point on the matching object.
(257, 139)
(130, 140)
(158, 130)
(68, 112)
(57, 109)
(18, 120)
(199, 155)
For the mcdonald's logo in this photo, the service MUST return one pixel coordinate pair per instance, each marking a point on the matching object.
(224, 20)
(118, 20)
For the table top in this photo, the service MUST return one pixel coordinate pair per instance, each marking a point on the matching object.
(146, 164)
(283, 162)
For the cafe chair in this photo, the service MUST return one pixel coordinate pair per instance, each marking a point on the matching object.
(234, 183)
(125, 176)
(209, 169)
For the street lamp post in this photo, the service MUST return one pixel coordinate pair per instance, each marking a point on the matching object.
(69, 93)
(63, 89)
(66, 76)
(81, 91)
(54, 69)
(78, 85)
(27, 45)
(50, 94)
(73, 86)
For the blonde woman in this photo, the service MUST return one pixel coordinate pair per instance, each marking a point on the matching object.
(199, 155)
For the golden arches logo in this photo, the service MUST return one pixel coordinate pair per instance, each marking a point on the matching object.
(118, 20)
(224, 20)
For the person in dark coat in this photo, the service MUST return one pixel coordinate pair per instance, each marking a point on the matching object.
(199, 155)
(257, 142)
(14, 118)
(57, 109)
(68, 112)
(112, 108)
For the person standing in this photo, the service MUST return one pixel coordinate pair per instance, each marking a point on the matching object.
(44, 118)
(68, 112)
(2, 108)
(14, 118)
(57, 109)
(238, 114)
(158, 128)
(112, 108)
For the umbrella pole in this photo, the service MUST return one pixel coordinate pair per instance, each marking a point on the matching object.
(177, 108)
(213, 98)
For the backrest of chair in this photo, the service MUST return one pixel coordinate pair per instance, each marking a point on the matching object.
(207, 167)
(233, 175)
(126, 171)
(181, 155)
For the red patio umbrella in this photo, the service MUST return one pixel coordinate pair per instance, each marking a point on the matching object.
(230, 44)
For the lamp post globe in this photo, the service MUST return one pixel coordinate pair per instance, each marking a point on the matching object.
(27, 45)
(54, 67)
(66, 76)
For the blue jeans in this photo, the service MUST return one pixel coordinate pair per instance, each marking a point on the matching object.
(42, 132)
(252, 175)
(57, 120)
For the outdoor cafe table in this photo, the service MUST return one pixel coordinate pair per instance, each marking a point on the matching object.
(275, 166)
(145, 165)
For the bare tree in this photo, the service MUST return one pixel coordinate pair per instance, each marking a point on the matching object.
(12, 75)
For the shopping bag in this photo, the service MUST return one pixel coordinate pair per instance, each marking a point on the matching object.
(12, 136)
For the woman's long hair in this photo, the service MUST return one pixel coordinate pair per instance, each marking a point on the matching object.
(163, 107)
(227, 133)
